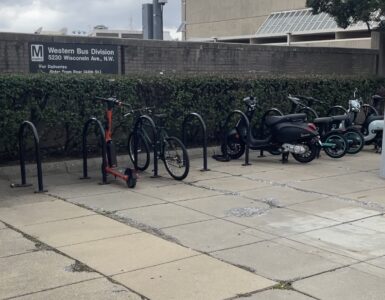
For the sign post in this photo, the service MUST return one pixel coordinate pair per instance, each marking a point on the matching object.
(69, 58)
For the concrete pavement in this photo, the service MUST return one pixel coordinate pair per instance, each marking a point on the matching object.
(265, 231)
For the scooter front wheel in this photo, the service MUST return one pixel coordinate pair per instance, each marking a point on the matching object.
(356, 141)
(131, 178)
(309, 155)
(335, 145)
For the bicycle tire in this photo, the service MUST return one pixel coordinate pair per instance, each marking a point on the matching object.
(143, 152)
(358, 141)
(175, 158)
(341, 145)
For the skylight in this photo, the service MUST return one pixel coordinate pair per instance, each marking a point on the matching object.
(297, 21)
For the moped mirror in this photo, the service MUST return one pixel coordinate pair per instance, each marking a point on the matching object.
(355, 93)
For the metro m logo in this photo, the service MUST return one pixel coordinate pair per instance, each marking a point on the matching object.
(37, 53)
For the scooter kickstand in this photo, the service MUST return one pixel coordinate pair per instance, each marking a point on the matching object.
(285, 157)
(261, 154)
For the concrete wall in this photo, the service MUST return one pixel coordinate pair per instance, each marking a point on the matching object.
(348, 43)
(153, 57)
(218, 18)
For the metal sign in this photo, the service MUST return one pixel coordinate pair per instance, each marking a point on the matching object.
(68, 58)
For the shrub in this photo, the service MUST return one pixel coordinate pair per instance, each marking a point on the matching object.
(59, 105)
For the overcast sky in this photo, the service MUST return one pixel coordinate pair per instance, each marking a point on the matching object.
(81, 15)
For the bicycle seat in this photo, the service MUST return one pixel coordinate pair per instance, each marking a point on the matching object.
(160, 116)
(273, 120)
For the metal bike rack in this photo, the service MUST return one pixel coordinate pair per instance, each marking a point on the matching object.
(23, 126)
(104, 149)
(242, 114)
(138, 123)
(204, 132)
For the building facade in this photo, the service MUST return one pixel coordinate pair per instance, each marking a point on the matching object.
(274, 22)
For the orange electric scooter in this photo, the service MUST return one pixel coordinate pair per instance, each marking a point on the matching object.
(129, 175)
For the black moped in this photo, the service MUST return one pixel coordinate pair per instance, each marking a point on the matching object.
(276, 135)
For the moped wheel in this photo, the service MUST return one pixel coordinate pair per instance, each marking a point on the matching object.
(176, 158)
(356, 141)
(131, 178)
(143, 152)
(234, 149)
(336, 145)
(309, 155)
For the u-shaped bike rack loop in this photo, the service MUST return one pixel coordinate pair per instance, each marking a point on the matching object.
(22, 128)
(188, 118)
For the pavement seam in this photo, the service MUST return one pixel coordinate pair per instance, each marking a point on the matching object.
(53, 288)
(162, 236)
(21, 253)
(276, 287)
(49, 248)
(97, 240)
(249, 226)
(328, 218)
(339, 224)
(162, 264)
(53, 221)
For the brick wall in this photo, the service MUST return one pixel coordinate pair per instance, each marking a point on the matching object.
(141, 56)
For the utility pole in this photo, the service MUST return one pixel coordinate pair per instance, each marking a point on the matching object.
(147, 21)
(158, 18)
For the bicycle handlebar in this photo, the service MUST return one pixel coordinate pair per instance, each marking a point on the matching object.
(114, 101)
(132, 111)
(295, 100)
(309, 99)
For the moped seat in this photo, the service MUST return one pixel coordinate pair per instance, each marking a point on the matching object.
(334, 119)
(340, 118)
(378, 97)
(273, 120)
(324, 120)
(374, 118)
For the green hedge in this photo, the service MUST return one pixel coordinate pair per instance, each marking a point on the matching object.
(59, 105)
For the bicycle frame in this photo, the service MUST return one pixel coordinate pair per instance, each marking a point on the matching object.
(162, 136)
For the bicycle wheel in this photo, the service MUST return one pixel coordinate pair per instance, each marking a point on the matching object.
(143, 152)
(335, 145)
(175, 158)
(356, 140)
